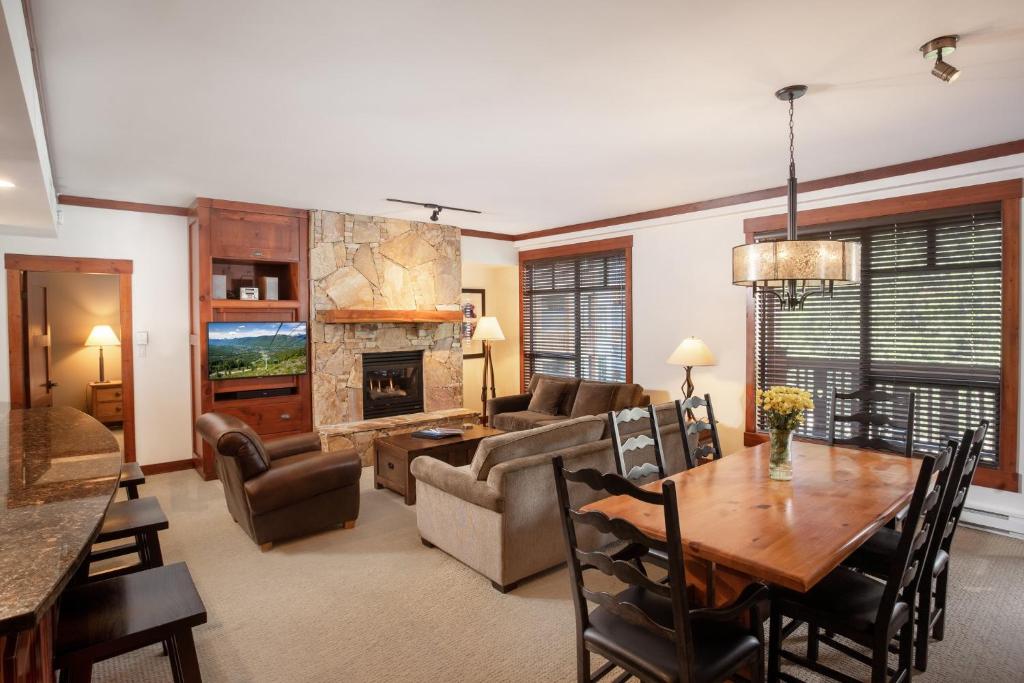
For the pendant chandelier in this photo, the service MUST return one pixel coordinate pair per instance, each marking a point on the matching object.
(792, 269)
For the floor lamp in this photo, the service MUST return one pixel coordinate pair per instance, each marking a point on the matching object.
(487, 330)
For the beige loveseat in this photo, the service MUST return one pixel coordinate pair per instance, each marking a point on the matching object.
(499, 514)
(553, 398)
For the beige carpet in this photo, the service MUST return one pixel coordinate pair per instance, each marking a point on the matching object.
(373, 604)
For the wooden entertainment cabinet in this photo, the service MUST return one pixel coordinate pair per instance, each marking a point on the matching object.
(245, 242)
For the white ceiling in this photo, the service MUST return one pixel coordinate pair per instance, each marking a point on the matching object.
(539, 113)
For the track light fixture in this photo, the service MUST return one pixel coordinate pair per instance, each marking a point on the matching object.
(435, 209)
(938, 49)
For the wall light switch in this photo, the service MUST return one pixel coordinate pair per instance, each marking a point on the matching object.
(141, 338)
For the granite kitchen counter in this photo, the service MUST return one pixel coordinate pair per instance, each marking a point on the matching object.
(59, 470)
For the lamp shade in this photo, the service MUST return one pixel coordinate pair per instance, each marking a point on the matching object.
(488, 329)
(802, 260)
(102, 335)
(692, 352)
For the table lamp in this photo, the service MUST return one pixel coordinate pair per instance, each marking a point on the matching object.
(102, 335)
(487, 330)
(691, 353)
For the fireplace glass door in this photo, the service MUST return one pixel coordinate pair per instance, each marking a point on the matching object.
(392, 383)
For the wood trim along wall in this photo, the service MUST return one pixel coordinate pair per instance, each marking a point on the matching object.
(487, 235)
(917, 166)
(92, 202)
(624, 243)
(1009, 194)
(17, 265)
(893, 206)
(882, 172)
(165, 467)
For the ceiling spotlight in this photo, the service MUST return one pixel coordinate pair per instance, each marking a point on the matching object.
(435, 213)
(938, 49)
(6, 184)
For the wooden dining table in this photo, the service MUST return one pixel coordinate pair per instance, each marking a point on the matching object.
(786, 533)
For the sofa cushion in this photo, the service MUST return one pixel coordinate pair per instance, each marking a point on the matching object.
(572, 384)
(628, 396)
(495, 450)
(548, 396)
(594, 398)
(299, 477)
(519, 420)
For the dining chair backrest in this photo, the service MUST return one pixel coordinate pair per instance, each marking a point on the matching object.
(958, 497)
(620, 564)
(637, 443)
(703, 431)
(919, 527)
(954, 476)
(879, 420)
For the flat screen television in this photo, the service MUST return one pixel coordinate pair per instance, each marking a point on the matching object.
(254, 349)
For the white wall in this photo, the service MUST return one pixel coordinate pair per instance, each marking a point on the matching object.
(682, 287)
(158, 247)
(501, 283)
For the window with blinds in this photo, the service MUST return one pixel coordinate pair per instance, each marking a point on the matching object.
(926, 317)
(575, 317)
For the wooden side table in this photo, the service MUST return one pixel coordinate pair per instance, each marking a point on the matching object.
(105, 401)
(395, 453)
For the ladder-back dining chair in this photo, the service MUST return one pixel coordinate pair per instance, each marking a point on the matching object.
(879, 420)
(860, 608)
(703, 430)
(648, 629)
(637, 441)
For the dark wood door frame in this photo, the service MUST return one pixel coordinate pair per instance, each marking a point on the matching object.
(17, 266)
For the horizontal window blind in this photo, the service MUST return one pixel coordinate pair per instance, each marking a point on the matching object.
(574, 316)
(926, 317)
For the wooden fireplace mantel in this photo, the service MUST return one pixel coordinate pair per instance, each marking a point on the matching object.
(361, 315)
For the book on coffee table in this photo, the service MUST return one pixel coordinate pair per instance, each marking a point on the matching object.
(438, 433)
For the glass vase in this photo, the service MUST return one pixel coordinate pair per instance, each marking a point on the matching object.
(780, 462)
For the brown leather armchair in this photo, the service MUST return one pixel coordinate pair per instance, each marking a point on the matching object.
(284, 488)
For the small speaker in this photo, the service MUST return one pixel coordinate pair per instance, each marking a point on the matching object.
(220, 286)
(268, 285)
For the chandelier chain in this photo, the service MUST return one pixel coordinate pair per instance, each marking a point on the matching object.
(791, 147)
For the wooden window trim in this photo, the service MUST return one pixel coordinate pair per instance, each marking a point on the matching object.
(1008, 193)
(624, 243)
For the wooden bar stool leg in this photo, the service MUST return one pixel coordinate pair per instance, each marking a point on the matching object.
(133, 492)
(185, 653)
(154, 556)
(171, 650)
(77, 670)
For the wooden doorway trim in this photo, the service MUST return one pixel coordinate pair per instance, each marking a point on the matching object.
(17, 266)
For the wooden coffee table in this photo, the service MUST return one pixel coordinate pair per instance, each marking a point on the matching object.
(395, 453)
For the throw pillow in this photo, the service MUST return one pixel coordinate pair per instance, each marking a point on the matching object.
(548, 397)
(593, 398)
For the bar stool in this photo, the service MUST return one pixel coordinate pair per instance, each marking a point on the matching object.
(131, 479)
(139, 519)
(107, 618)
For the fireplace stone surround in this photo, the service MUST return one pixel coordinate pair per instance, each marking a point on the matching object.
(370, 262)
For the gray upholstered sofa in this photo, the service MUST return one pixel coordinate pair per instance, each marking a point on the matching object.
(499, 514)
(552, 398)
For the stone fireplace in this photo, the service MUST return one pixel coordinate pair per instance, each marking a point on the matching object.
(369, 262)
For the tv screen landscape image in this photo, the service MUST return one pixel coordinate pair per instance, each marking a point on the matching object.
(237, 350)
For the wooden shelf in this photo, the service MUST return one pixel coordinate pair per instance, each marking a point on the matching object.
(358, 315)
(261, 303)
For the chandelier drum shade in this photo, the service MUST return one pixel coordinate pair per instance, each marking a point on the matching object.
(792, 269)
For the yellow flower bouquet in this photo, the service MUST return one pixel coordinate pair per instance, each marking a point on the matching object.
(783, 409)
